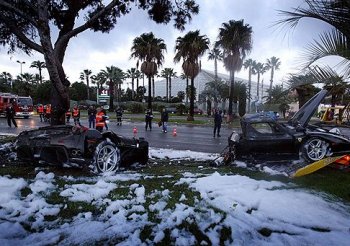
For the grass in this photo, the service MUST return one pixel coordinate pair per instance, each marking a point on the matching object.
(163, 176)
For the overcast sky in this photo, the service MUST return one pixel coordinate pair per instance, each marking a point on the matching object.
(95, 51)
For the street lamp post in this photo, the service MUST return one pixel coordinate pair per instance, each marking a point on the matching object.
(21, 63)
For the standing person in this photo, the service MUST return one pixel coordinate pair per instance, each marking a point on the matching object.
(48, 113)
(100, 119)
(76, 115)
(119, 114)
(41, 112)
(10, 115)
(105, 117)
(217, 122)
(92, 116)
(68, 114)
(148, 119)
(164, 119)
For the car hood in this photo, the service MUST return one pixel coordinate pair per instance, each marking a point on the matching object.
(303, 116)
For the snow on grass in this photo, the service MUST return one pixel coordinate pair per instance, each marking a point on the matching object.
(87, 192)
(295, 217)
(172, 154)
(184, 208)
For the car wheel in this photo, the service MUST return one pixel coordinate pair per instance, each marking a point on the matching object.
(315, 149)
(106, 157)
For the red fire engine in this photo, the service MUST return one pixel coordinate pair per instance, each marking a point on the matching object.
(22, 105)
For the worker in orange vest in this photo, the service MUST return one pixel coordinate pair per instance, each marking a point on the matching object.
(100, 120)
(76, 115)
(48, 113)
(41, 112)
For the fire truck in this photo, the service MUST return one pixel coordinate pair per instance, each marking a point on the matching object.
(23, 105)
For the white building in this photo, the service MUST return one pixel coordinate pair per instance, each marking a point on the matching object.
(205, 76)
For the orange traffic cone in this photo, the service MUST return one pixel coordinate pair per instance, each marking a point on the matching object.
(134, 130)
(174, 132)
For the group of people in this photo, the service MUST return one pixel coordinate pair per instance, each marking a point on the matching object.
(164, 118)
(44, 112)
(98, 117)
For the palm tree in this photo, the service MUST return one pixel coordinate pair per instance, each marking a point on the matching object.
(168, 73)
(272, 64)
(138, 75)
(39, 65)
(96, 80)
(113, 76)
(216, 55)
(248, 64)
(335, 42)
(303, 85)
(235, 39)
(86, 75)
(212, 90)
(164, 74)
(149, 50)
(258, 69)
(333, 82)
(132, 73)
(190, 48)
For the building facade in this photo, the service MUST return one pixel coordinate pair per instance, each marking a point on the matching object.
(205, 76)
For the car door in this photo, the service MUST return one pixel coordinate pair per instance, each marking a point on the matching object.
(269, 138)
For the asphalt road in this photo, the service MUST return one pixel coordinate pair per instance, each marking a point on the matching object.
(194, 138)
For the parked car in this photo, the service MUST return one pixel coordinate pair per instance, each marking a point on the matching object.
(58, 145)
(264, 137)
(197, 111)
(171, 110)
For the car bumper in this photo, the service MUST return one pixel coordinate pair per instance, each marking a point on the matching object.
(24, 114)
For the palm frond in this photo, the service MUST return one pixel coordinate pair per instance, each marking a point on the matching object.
(330, 43)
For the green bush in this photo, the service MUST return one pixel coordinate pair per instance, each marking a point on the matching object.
(136, 108)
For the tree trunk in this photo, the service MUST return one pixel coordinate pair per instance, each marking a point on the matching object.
(249, 87)
(132, 89)
(257, 87)
(186, 90)
(191, 116)
(54, 60)
(230, 102)
(170, 89)
(150, 92)
(40, 76)
(111, 95)
(271, 81)
(167, 89)
(88, 87)
(154, 92)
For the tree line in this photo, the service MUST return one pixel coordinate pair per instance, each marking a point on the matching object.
(26, 25)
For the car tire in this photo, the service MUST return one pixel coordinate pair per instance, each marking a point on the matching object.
(106, 157)
(315, 149)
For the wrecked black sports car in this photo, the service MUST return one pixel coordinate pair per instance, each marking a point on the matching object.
(264, 138)
(67, 144)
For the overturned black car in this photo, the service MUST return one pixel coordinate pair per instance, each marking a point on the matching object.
(265, 138)
(67, 144)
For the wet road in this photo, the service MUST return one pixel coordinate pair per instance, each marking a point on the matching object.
(195, 138)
